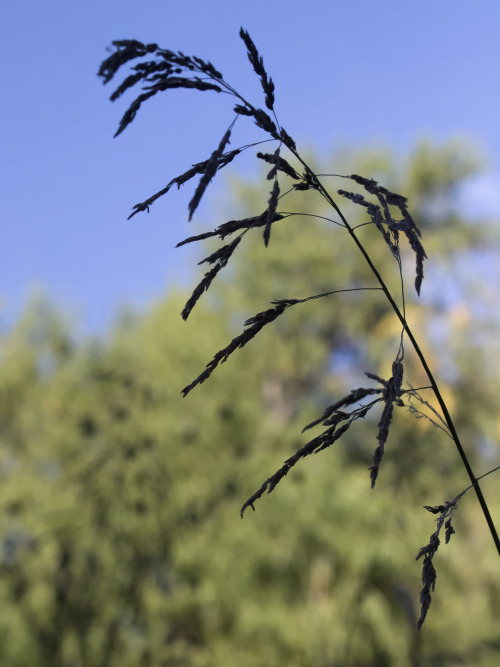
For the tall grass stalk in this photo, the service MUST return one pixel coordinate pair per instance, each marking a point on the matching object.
(157, 70)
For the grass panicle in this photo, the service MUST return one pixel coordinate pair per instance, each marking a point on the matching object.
(233, 226)
(381, 217)
(199, 168)
(287, 140)
(265, 122)
(258, 66)
(220, 257)
(211, 166)
(428, 552)
(125, 50)
(254, 324)
(261, 118)
(279, 163)
(271, 211)
(354, 396)
(160, 70)
(314, 446)
(308, 182)
(392, 393)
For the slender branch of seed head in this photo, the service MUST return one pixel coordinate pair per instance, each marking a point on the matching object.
(414, 394)
(481, 477)
(362, 224)
(464, 491)
(255, 143)
(312, 215)
(423, 361)
(283, 194)
(337, 291)
(232, 91)
(334, 175)
(407, 391)
(420, 414)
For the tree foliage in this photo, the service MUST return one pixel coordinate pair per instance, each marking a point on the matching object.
(121, 543)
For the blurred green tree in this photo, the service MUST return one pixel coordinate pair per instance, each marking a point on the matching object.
(120, 537)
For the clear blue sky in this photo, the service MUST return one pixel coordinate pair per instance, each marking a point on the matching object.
(346, 72)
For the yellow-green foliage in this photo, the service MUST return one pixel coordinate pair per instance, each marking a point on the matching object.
(121, 542)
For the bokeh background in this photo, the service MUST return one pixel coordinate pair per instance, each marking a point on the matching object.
(119, 528)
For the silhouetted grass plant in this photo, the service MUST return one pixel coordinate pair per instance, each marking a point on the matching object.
(160, 70)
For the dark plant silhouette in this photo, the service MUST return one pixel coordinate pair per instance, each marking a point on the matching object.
(159, 70)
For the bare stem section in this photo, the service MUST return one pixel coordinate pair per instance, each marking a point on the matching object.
(159, 70)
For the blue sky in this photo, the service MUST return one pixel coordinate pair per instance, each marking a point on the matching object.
(349, 72)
